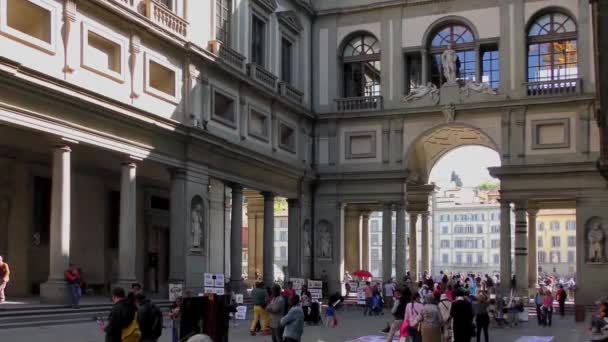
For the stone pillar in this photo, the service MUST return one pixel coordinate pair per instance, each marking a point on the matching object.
(532, 254)
(178, 205)
(505, 246)
(365, 241)
(236, 240)
(55, 290)
(521, 248)
(294, 249)
(424, 241)
(268, 258)
(400, 243)
(387, 239)
(127, 237)
(424, 66)
(351, 239)
(413, 247)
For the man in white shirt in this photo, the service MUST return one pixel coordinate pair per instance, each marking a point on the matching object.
(389, 289)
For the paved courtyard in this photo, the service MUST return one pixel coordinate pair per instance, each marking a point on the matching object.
(352, 325)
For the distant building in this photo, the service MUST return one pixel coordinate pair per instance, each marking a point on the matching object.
(556, 244)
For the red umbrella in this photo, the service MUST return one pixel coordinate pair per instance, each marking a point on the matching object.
(362, 274)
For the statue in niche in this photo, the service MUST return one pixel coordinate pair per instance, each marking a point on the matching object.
(306, 239)
(325, 240)
(422, 91)
(482, 88)
(596, 239)
(196, 222)
(449, 63)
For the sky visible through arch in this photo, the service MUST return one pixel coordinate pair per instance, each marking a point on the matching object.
(469, 162)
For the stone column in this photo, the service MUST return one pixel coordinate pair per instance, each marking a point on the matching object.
(365, 241)
(532, 254)
(294, 247)
(505, 246)
(178, 212)
(268, 258)
(236, 240)
(127, 245)
(424, 66)
(424, 241)
(521, 248)
(387, 241)
(400, 243)
(55, 290)
(413, 247)
(351, 239)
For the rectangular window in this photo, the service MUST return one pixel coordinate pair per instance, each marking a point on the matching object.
(542, 257)
(555, 257)
(540, 242)
(258, 124)
(283, 236)
(466, 67)
(469, 259)
(375, 240)
(555, 226)
(552, 61)
(413, 73)
(286, 60)
(458, 258)
(445, 258)
(571, 257)
(479, 229)
(555, 241)
(495, 228)
(283, 252)
(570, 225)
(480, 258)
(29, 21)
(490, 66)
(496, 258)
(495, 243)
(160, 78)
(541, 226)
(224, 109)
(444, 230)
(445, 243)
(571, 241)
(167, 3)
(458, 244)
(102, 53)
(287, 137)
(223, 18)
(258, 34)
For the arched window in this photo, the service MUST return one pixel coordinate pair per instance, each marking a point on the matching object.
(462, 40)
(552, 49)
(361, 59)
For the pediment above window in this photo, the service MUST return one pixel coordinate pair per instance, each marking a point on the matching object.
(268, 5)
(290, 20)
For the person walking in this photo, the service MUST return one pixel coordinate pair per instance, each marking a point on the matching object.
(462, 318)
(538, 302)
(276, 310)
(293, 322)
(306, 302)
(398, 311)
(482, 319)
(72, 276)
(369, 294)
(547, 308)
(561, 299)
(430, 321)
(5, 273)
(150, 319)
(121, 317)
(389, 289)
(258, 296)
(412, 310)
(444, 312)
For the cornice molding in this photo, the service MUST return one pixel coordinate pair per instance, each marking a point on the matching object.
(290, 20)
(376, 5)
(268, 5)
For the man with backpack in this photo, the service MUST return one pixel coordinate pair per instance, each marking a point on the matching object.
(149, 318)
(122, 324)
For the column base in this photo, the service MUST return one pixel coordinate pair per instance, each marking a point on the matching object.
(238, 287)
(55, 292)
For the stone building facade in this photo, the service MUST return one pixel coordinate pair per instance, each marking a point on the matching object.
(128, 126)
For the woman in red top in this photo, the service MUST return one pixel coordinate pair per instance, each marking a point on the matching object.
(547, 308)
(72, 276)
(561, 299)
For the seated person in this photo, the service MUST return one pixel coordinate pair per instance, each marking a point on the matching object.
(599, 320)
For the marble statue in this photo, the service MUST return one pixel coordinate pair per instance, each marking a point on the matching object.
(596, 238)
(196, 221)
(421, 91)
(449, 59)
(325, 241)
(306, 239)
(482, 88)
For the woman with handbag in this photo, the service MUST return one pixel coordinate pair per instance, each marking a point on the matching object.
(430, 321)
(412, 311)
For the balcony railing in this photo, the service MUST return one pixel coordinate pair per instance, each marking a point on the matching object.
(227, 55)
(359, 104)
(290, 92)
(160, 14)
(262, 76)
(554, 88)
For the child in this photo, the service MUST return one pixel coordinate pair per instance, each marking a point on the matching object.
(330, 316)
(377, 304)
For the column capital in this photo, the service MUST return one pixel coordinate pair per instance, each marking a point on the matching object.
(533, 212)
(387, 206)
(236, 187)
(267, 195)
(293, 203)
(521, 205)
(62, 147)
(129, 163)
(177, 172)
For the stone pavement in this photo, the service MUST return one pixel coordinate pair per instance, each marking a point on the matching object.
(352, 326)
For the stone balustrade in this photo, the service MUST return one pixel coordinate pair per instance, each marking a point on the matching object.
(164, 17)
(554, 88)
(262, 76)
(227, 55)
(359, 104)
(290, 92)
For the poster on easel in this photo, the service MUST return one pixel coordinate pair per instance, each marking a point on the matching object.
(297, 285)
(175, 291)
(316, 289)
(241, 313)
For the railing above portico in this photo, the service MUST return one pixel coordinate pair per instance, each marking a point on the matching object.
(290, 92)
(228, 55)
(359, 104)
(554, 88)
(160, 14)
(262, 76)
